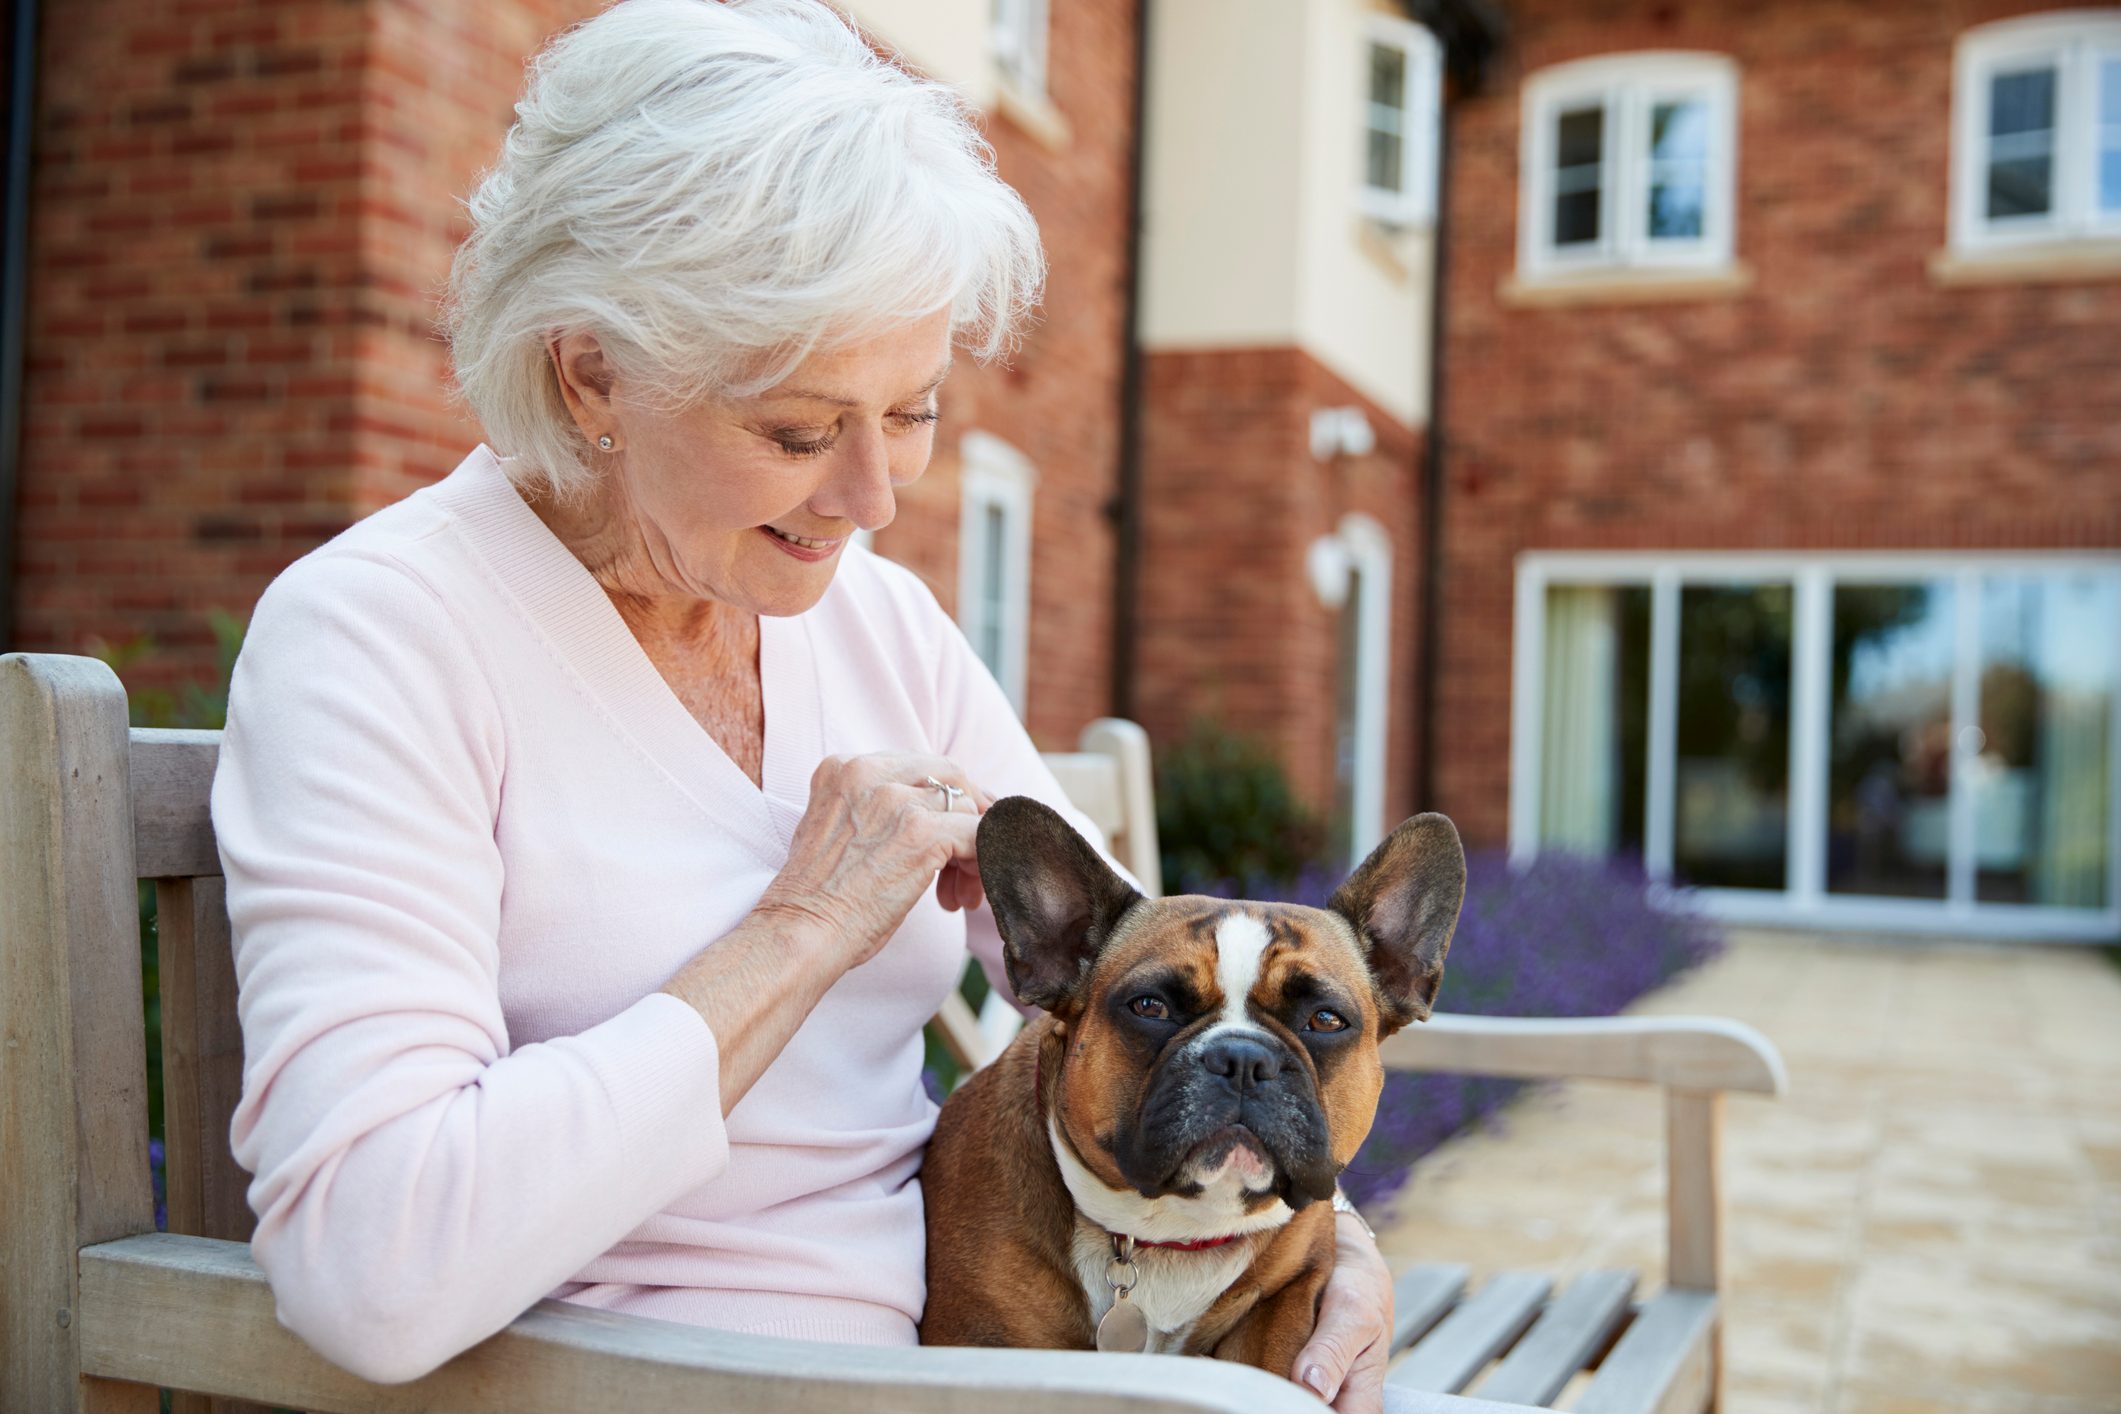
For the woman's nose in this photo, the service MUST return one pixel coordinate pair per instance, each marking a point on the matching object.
(861, 485)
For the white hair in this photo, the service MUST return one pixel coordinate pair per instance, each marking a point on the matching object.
(715, 190)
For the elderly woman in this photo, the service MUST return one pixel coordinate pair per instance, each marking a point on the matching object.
(589, 873)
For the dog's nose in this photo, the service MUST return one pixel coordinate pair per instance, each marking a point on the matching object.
(1241, 1060)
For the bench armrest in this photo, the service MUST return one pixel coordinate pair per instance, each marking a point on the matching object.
(194, 1313)
(1682, 1052)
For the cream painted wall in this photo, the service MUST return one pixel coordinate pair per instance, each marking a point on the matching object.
(1253, 231)
(1219, 191)
(944, 39)
(1363, 289)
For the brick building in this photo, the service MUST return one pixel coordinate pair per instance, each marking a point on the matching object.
(1783, 480)
(1771, 433)
(241, 214)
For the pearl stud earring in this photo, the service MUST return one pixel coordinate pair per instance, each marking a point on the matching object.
(605, 441)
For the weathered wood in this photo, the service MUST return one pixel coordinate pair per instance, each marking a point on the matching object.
(1126, 744)
(1694, 1200)
(73, 1060)
(1566, 1336)
(173, 831)
(202, 1077)
(190, 1312)
(959, 1031)
(1420, 1298)
(1694, 1205)
(202, 1061)
(1691, 1052)
(1664, 1364)
(1450, 1356)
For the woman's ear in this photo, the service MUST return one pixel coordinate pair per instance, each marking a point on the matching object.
(1403, 903)
(1054, 898)
(585, 378)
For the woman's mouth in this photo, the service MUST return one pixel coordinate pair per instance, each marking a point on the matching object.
(803, 547)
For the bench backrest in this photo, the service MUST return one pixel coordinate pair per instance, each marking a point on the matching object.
(93, 806)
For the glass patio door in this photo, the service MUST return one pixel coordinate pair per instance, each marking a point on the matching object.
(1873, 741)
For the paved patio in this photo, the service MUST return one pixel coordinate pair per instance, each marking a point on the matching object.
(1930, 1220)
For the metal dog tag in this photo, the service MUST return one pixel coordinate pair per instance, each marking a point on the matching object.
(1124, 1329)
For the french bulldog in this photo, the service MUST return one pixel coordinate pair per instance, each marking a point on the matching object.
(1149, 1165)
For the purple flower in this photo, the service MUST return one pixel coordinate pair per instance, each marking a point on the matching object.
(156, 1163)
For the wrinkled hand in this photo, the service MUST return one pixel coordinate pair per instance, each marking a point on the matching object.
(1345, 1362)
(869, 842)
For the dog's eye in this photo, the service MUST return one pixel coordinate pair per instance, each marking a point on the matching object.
(1324, 1020)
(1151, 1007)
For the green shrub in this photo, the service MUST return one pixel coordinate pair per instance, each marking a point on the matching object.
(1225, 810)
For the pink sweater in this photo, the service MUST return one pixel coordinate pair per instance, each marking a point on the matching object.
(468, 831)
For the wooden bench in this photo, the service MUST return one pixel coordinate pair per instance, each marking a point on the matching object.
(97, 1309)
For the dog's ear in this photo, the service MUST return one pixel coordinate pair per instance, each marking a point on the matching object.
(1054, 898)
(1403, 903)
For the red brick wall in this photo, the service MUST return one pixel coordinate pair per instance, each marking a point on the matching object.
(243, 215)
(1844, 400)
(1230, 627)
(240, 211)
(1057, 400)
(190, 346)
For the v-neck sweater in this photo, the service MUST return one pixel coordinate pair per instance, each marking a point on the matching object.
(468, 830)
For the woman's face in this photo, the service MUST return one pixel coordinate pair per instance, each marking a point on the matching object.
(750, 501)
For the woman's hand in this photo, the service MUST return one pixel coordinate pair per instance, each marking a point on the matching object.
(1345, 1362)
(873, 836)
(871, 839)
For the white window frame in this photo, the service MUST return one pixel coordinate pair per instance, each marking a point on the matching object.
(997, 475)
(1805, 901)
(1414, 204)
(1627, 86)
(2075, 42)
(1361, 544)
(1017, 38)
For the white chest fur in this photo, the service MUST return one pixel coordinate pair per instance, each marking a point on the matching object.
(1172, 1287)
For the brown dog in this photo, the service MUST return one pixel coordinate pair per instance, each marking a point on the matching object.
(1144, 1167)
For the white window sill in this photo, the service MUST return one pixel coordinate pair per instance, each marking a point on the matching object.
(2049, 262)
(1034, 113)
(1626, 286)
(1396, 251)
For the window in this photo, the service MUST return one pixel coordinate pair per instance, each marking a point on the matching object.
(1019, 39)
(2036, 131)
(1403, 88)
(1629, 163)
(1879, 740)
(994, 559)
(1351, 570)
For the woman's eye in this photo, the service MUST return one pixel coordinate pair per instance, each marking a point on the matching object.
(1324, 1020)
(1151, 1007)
(803, 447)
(920, 417)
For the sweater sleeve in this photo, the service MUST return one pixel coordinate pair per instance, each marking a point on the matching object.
(980, 731)
(418, 1182)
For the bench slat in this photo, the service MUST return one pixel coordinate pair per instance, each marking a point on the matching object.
(191, 1312)
(1474, 1334)
(1420, 1298)
(1665, 1364)
(1570, 1332)
(173, 831)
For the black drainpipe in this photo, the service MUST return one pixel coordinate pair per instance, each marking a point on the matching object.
(1125, 507)
(14, 291)
(1471, 32)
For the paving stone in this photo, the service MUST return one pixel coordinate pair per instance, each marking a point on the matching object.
(1930, 1220)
